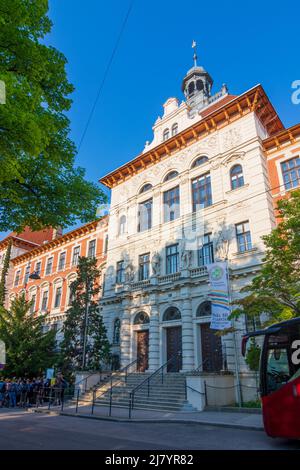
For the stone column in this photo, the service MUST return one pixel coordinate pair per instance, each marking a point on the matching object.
(125, 336)
(188, 360)
(154, 338)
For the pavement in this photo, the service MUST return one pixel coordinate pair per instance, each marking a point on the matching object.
(232, 419)
(43, 431)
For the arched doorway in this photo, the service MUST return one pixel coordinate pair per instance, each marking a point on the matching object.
(142, 341)
(211, 345)
(173, 339)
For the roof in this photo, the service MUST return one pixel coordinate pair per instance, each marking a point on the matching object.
(218, 115)
(86, 228)
(29, 237)
(283, 138)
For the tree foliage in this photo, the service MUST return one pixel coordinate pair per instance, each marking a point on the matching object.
(82, 317)
(29, 350)
(4, 272)
(39, 184)
(276, 290)
(253, 355)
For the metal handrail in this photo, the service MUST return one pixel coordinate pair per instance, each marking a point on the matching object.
(148, 379)
(124, 369)
(76, 385)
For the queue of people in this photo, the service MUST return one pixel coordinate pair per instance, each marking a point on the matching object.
(24, 393)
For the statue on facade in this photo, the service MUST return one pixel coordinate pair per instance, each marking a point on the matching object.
(222, 243)
(155, 263)
(186, 259)
(129, 273)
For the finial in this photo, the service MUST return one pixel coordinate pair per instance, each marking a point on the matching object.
(194, 46)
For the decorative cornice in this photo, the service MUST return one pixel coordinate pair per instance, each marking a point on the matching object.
(282, 139)
(83, 230)
(254, 100)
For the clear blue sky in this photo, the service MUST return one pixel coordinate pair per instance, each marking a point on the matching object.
(239, 43)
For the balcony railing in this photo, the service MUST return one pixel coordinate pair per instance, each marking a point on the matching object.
(200, 271)
(140, 284)
(168, 278)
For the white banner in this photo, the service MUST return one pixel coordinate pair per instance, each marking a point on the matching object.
(219, 296)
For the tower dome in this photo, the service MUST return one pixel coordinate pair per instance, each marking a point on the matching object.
(197, 85)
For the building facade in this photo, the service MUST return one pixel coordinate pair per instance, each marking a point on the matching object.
(198, 193)
(22, 243)
(54, 265)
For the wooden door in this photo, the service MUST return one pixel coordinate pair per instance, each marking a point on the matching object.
(211, 346)
(174, 346)
(142, 350)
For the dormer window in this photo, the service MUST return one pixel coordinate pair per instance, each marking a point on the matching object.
(166, 134)
(174, 129)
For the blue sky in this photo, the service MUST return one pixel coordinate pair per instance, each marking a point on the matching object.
(239, 43)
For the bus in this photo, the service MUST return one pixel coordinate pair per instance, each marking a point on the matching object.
(279, 371)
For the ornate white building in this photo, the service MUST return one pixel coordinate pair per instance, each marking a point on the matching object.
(197, 193)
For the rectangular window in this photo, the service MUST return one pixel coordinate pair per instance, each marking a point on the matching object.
(57, 297)
(49, 266)
(172, 265)
(27, 273)
(145, 215)
(75, 256)
(106, 244)
(120, 272)
(33, 300)
(144, 267)
(201, 192)
(291, 173)
(62, 261)
(171, 204)
(38, 268)
(92, 249)
(44, 301)
(243, 237)
(206, 251)
(17, 278)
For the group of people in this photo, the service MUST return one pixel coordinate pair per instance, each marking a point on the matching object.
(29, 392)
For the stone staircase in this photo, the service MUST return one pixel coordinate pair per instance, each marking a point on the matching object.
(166, 396)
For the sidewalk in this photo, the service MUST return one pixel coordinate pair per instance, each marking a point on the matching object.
(232, 419)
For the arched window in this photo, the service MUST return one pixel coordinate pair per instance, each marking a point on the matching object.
(171, 175)
(166, 134)
(175, 129)
(172, 313)
(191, 88)
(141, 318)
(204, 309)
(199, 161)
(122, 225)
(116, 335)
(146, 188)
(199, 85)
(236, 177)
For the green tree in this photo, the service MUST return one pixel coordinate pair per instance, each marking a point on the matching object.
(276, 290)
(39, 184)
(85, 344)
(4, 273)
(29, 350)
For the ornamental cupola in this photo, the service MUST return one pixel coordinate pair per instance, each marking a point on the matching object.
(197, 85)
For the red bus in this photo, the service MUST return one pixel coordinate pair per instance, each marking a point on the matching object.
(280, 378)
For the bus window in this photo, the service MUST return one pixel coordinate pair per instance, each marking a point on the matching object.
(278, 369)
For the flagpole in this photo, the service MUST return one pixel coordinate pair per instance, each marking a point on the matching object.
(234, 341)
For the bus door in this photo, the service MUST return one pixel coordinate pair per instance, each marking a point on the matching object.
(280, 383)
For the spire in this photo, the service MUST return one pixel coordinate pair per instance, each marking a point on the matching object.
(194, 46)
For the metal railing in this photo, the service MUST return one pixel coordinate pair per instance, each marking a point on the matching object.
(115, 378)
(84, 381)
(147, 381)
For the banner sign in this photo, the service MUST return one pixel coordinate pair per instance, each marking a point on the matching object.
(219, 296)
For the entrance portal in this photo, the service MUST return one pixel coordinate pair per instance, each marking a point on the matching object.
(211, 346)
(142, 340)
(174, 347)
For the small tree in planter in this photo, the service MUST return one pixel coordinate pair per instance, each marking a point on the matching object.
(252, 358)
